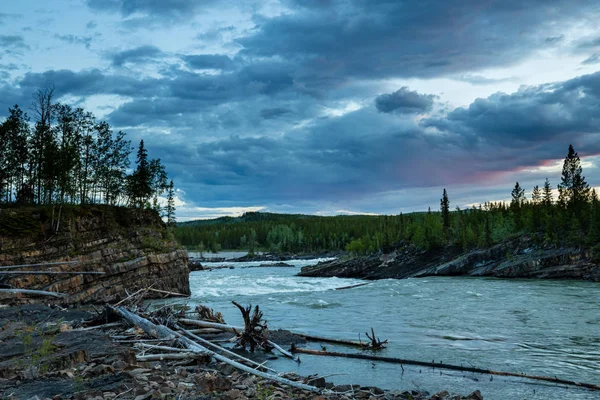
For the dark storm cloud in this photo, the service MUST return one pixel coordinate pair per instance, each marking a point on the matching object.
(404, 101)
(13, 42)
(208, 61)
(139, 54)
(366, 151)
(343, 39)
(275, 112)
(533, 114)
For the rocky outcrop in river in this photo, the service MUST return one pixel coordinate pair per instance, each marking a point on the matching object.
(518, 258)
(133, 249)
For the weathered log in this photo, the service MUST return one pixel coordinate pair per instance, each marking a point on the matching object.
(169, 356)
(214, 325)
(314, 338)
(353, 286)
(206, 331)
(442, 366)
(52, 273)
(33, 292)
(221, 349)
(109, 325)
(255, 331)
(164, 332)
(169, 293)
(163, 348)
(282, 350)
(39, 265)
(238, 329)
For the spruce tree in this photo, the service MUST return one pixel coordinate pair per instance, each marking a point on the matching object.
(574, 192)
(547, 198)
(171, 205)
(516, 203)
(445, 209)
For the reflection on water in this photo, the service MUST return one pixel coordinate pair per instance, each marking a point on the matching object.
(536, 327)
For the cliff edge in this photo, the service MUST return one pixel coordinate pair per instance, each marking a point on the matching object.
(131, 247)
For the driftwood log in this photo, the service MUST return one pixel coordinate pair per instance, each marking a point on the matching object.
(442, 366)
(255, 332)
(32, 292)
(163, 332)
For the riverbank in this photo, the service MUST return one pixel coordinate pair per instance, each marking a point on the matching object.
(51, 353)
(522, 257)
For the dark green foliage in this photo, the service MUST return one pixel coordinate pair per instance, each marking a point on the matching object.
(574, 192)
(445, 210)
(170, 211)
(470, 228)
(67, 157)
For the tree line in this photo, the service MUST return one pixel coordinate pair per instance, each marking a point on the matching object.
(572, 218)
(65, 156)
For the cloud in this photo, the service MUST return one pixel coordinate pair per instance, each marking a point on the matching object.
(155, 10)
(208, 61)
(13, 42)
(338, 40)
(275, 112)
(141, 54)
(533, 114)
(593, 59)
(404, 101)
(73, 39)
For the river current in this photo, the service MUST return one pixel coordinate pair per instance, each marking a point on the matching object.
(536, 327)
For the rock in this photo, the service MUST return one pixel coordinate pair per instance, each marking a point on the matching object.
(515, 258)
(208, 382)
(476, 395)
(133, 250)
(440, 396)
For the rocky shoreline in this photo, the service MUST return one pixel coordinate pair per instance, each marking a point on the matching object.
(518, 258)
(49, 354)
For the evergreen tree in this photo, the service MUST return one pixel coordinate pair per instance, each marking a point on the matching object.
(574, 192)
(171, 205)
(516, 204)
(536, 195)
(139, 185)
(445, 209)
(547, 198)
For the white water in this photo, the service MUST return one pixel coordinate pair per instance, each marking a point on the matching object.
(536, 327)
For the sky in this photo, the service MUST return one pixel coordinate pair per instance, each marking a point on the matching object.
(324, 106)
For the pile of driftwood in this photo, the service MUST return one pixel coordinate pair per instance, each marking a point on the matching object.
(174, 334)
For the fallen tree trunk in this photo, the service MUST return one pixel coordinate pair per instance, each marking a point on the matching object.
(237, 329)
(39, 265)
(214, 325)
(222, 349)
(52, 273)
(313, 338)
(443, 366)
(34, 292)
(162, 332)
(169, 356)
(282, 350)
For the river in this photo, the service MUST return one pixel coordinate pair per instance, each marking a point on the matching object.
(535, 327)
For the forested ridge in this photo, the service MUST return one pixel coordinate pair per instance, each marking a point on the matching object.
(65, 156)
(571, 218)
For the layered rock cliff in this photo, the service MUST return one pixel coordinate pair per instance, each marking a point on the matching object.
(133, 249)
(518, 258)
